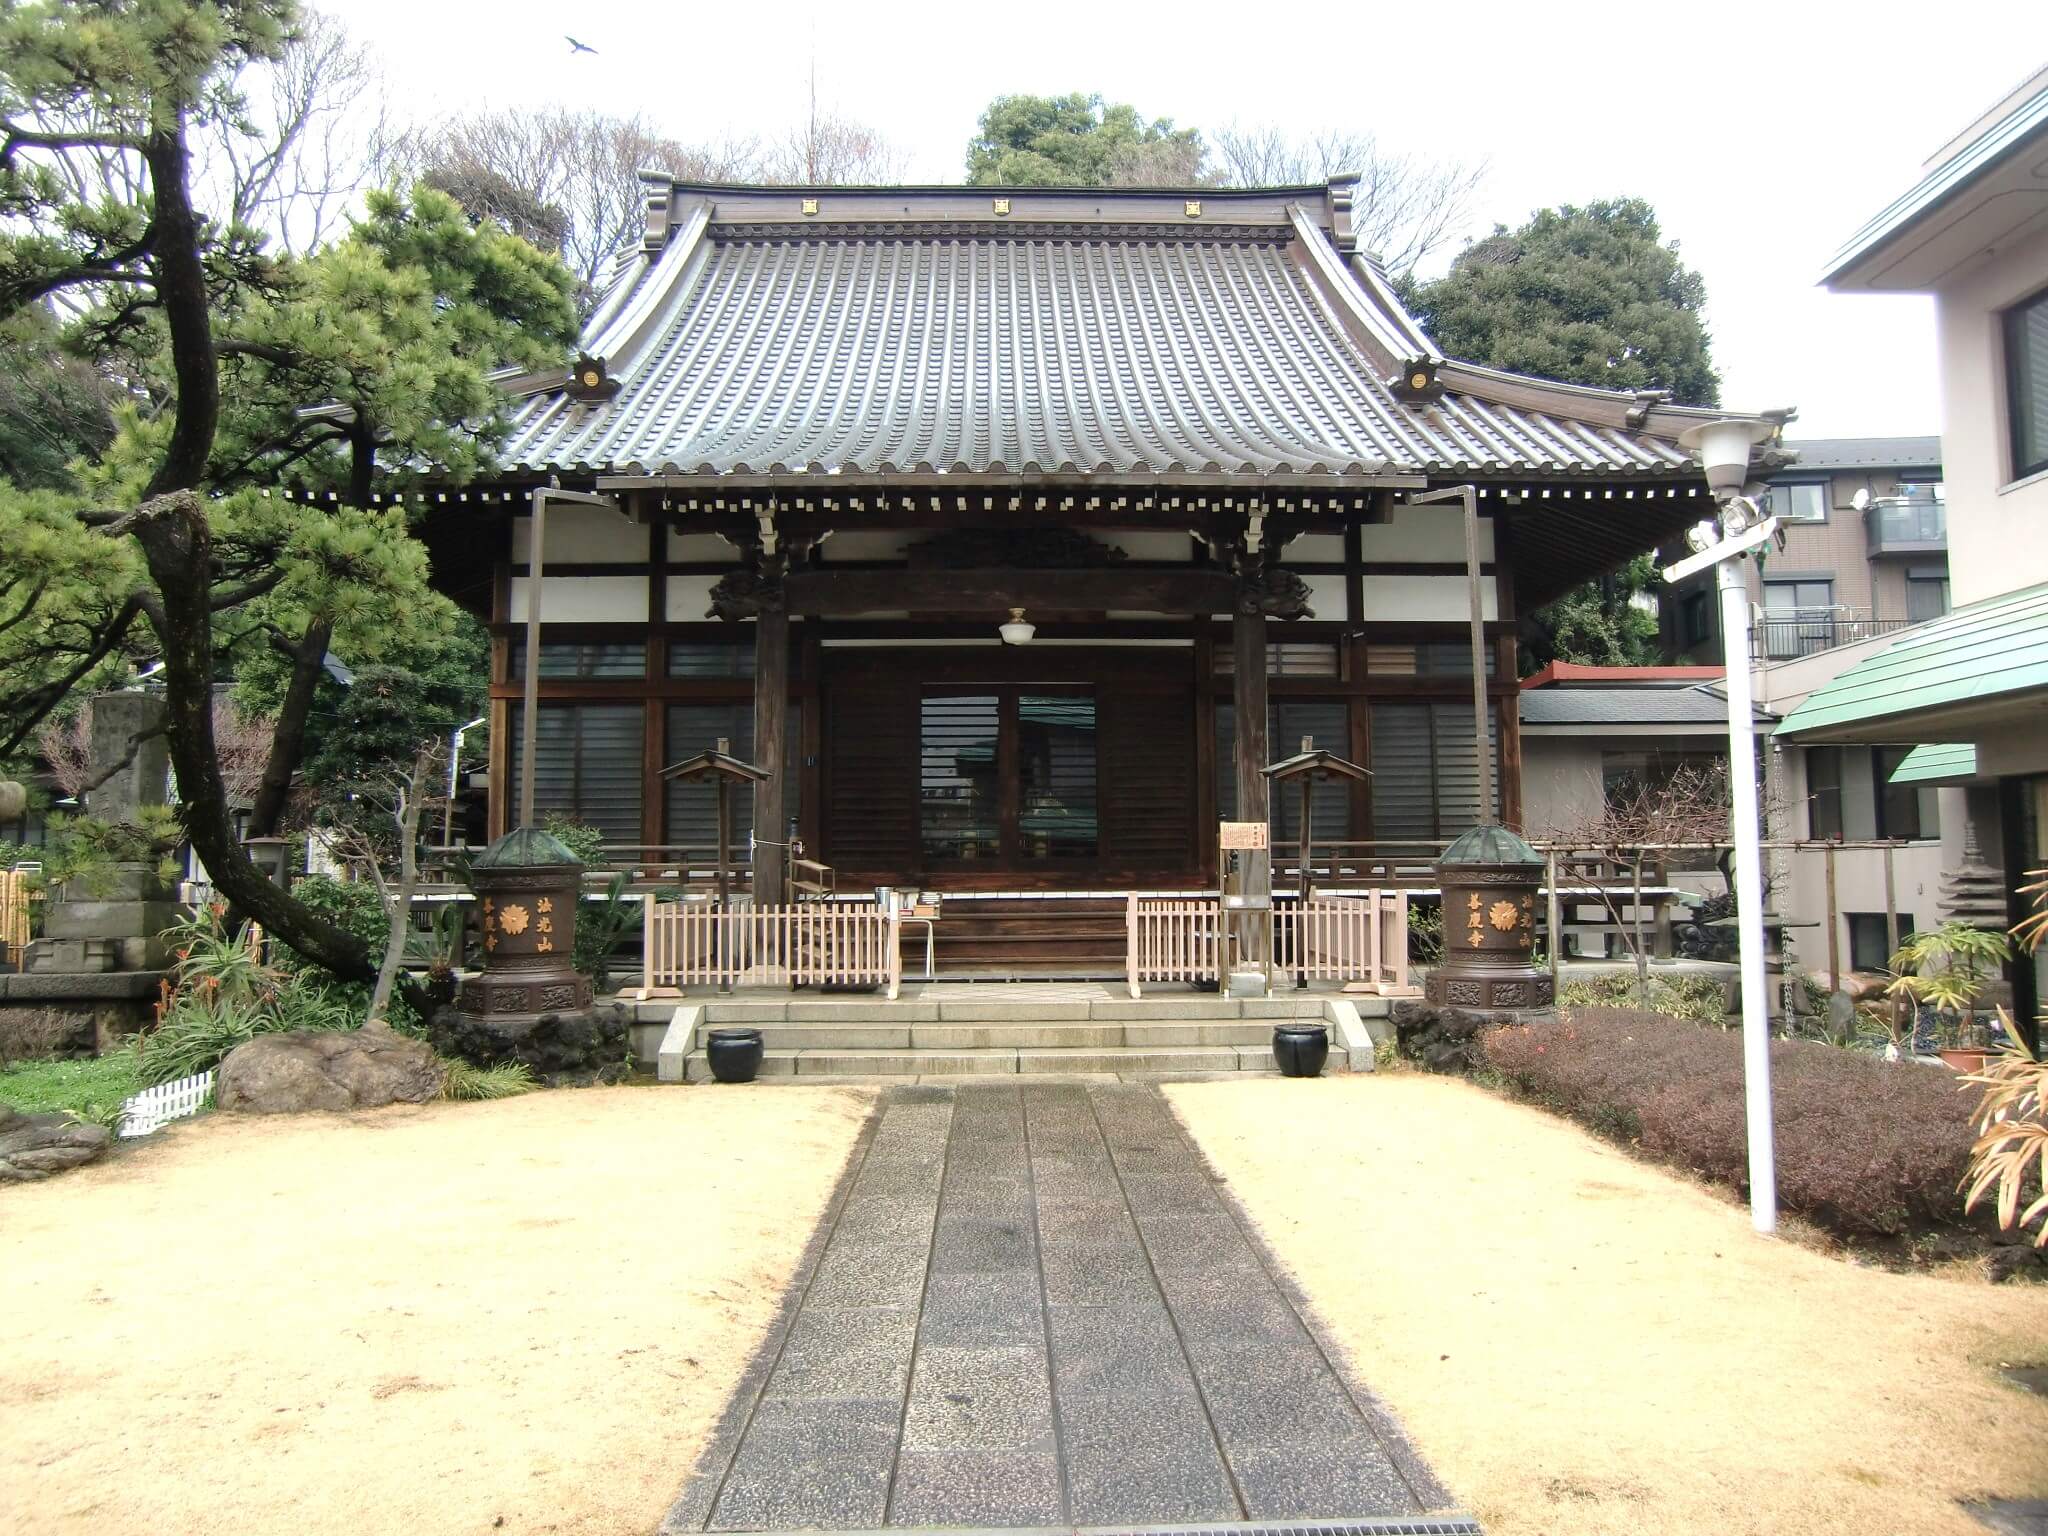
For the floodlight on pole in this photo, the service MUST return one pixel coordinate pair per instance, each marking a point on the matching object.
(1724, 543)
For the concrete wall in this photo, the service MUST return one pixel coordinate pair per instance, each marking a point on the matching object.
(1799, 876)
(1560, 782)
(1997, 528)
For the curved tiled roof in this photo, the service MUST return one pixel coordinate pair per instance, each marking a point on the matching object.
(752, 346)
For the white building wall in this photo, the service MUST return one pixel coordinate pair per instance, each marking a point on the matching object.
(1997, 528)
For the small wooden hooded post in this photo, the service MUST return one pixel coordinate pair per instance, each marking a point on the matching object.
(1308, 765)
(724, 770)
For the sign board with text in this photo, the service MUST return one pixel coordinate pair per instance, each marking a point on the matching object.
(1241, 834)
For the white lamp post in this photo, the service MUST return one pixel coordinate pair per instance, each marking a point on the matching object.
(1724, 543)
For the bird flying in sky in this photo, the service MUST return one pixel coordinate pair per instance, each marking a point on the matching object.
(576, 47)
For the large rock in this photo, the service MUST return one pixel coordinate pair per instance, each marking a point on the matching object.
(305, 1069)
(1448, 1039)
(586, 1045)
(36, 1146)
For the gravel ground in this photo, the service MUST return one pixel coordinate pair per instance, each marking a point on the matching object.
(512, 1316)
(1581, 1343)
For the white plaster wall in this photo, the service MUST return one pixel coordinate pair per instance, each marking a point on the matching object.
(1424, 599)
(1997, 530)
(689, 598)
(1560, 783)
(1316, 549)
(701, 547)
(584, 599)
(582, 535)
(1431, 533)
(1326, 598)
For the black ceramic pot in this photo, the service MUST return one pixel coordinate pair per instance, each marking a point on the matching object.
(735, 1054)
(1301, 1049)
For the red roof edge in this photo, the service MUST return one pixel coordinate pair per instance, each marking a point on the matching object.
(1574, 672)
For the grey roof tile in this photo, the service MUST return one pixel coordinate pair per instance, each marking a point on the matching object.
(1623, 706)
(1015, 350)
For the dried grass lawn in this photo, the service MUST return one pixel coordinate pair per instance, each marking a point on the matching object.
(1582, 1344)
(512, 1316)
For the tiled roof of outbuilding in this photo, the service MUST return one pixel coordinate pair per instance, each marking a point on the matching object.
(911, 331)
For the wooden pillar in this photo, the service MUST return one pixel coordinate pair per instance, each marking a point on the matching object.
(1248, 635)
(771, 725)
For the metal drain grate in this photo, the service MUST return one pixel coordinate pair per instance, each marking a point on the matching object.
(1396, 1525)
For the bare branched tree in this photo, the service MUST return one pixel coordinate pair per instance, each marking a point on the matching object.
(65, 746)
(568, 181)
(1406, 208)
(828, 150)
(402, 795)
(1640, 817)
(304, 136)
(242, 742)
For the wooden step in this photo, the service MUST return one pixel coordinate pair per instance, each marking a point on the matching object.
(826, 1064)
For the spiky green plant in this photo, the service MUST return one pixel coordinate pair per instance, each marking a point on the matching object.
(504, 1081)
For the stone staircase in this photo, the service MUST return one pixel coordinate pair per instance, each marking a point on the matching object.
(952, 1031)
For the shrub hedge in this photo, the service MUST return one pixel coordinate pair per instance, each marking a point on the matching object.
(1865, 1147)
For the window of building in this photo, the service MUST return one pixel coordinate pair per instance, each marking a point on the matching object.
(2026, 377)
(1327, 723)
(1926, 594)
(959, 776)
(583, 658)
(1898, 805)
(1286, 658)
(1425, 658)
(586, 766)
(1799, 617)
(697, 658)
(1695, 618)
(1798, 501)
(1425, 764)
(1824, 792)
(693, 803)
(1870, 939)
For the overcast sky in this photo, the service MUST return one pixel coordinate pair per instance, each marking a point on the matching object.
(1763, 145)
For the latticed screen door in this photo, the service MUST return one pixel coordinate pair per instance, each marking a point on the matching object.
(959, 776)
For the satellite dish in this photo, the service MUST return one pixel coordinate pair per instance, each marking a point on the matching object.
(1861, 500)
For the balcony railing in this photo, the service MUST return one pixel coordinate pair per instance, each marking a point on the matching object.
(1899, 525)
(1781, 634)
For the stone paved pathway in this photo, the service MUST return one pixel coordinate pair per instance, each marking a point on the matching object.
(1032, 1307)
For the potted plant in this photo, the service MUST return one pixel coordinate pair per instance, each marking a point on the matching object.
(1945, 971)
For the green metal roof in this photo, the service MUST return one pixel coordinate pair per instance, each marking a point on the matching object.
(1981, 653)
(524, 848)
(1490, 845)
(1937, 762)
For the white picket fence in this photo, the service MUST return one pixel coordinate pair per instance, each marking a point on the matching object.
(694, 943)
(1343, 938)
(154, 1108)
(1360, 940)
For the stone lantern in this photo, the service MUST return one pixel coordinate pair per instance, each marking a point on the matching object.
(1490, 880)
(529, 1003)
(527, 888)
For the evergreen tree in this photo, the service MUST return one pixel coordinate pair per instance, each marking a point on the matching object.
(241, 370)
(1078, 141)
(1589, 295)
(1596, 296)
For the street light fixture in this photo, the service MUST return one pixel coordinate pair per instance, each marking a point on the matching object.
(1724, 542)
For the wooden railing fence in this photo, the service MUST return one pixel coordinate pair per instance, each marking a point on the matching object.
(1172, 939)
(1361, 939)
(696, 943)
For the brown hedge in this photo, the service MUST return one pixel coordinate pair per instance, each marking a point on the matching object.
(1865, 1147)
